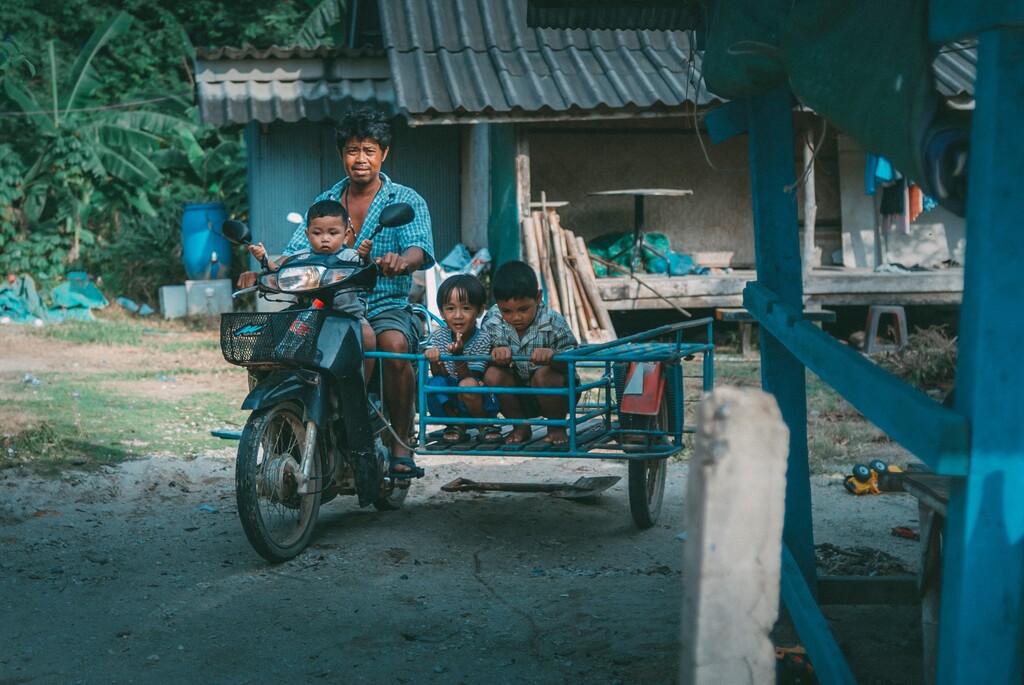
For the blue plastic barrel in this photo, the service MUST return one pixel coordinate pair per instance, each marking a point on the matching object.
(204, 250)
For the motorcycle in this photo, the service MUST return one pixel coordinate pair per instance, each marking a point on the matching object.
(314, 432)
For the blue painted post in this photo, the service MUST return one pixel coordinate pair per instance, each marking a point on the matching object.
(503, 222)
(983, 571)
(777, 253)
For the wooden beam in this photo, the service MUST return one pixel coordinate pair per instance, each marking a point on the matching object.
(982, 626)
(777, 256)
(868, 590)
(950, 20)
(936, 435)
(829, 664)
(845, 287)
(725, 121)
(732, 558)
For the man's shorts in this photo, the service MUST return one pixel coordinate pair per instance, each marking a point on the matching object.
(399, 319)
(437, 400)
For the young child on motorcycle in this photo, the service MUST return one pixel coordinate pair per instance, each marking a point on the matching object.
(461, 299)
(520, 324)
(330, 231)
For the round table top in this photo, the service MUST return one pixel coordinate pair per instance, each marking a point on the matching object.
(664, 192)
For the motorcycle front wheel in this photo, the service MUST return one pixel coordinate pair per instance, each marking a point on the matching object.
(277, 519)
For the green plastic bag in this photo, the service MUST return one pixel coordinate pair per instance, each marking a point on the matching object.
(611, 247)
(618, 248)
(655, 263)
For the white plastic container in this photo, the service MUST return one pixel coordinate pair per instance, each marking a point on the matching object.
(208, 297)
(173, 303)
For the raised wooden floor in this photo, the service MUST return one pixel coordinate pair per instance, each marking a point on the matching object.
(835, 286)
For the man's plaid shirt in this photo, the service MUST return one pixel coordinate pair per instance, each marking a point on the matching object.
(548, 330)
(390, 293)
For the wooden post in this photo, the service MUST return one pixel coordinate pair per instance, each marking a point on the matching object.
(981, 626)
(558, 270)
(530, 243)
(543, 238)
(589, 292)
(777, 256)
(581, 247)
(732, 561)
(589, 277)
(811, 256)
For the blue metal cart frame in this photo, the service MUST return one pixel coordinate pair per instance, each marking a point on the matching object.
(595, 426)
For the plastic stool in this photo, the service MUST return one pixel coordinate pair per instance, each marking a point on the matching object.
(899, 324)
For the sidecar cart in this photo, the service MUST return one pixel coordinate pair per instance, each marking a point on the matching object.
(627, 400)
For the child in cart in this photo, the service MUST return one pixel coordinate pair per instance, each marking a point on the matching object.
(461, 299)
(330, 231)
(520, 324)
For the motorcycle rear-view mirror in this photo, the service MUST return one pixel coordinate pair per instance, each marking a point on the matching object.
(397, 214)
(236, 232)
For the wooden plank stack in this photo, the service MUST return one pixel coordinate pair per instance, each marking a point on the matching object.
(563, 263)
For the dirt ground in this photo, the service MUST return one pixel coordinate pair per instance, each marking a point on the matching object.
(141, 573)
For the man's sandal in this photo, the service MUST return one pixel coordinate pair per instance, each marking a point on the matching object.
(413, 472)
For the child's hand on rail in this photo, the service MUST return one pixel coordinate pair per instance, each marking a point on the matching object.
(542, 356)
(502, 356)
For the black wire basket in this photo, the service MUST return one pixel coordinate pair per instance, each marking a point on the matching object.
(266, 339)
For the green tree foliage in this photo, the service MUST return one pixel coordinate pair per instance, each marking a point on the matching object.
(81, 158)
(11, 57)
(101, 143)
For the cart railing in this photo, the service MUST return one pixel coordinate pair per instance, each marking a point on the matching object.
(595, 425)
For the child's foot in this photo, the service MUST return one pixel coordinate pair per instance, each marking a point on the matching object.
(453, 434)
(519, 434)
(556, 436)
(490, 434)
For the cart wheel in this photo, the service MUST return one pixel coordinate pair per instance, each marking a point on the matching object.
(862, 473)
(646, 490)
(878, 466)
(647, 476)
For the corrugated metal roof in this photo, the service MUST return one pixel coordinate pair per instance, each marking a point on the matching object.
(614, 14)
(476, 60)
(470, 60)
(238, 85)
(956, 67)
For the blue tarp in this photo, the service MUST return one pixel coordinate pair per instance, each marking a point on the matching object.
(73, 299)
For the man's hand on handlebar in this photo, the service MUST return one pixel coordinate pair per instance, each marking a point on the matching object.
(247, 279)
(393, 264)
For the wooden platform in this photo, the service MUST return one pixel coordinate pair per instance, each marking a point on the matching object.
(833, 286)
(747, 321)
(932, 493)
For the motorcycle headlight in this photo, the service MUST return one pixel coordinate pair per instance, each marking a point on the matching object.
(337, 274)
(293, 279)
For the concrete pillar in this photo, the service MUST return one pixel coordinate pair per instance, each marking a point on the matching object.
(735, 505)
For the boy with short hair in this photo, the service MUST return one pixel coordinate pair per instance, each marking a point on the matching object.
(520, 324)
(461, 298)
(330, 231)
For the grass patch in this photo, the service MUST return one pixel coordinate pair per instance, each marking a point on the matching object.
(188, 346)
(100, 332)
(84, 424)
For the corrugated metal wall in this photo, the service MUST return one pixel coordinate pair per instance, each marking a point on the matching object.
(290, 164)
(426, 158)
